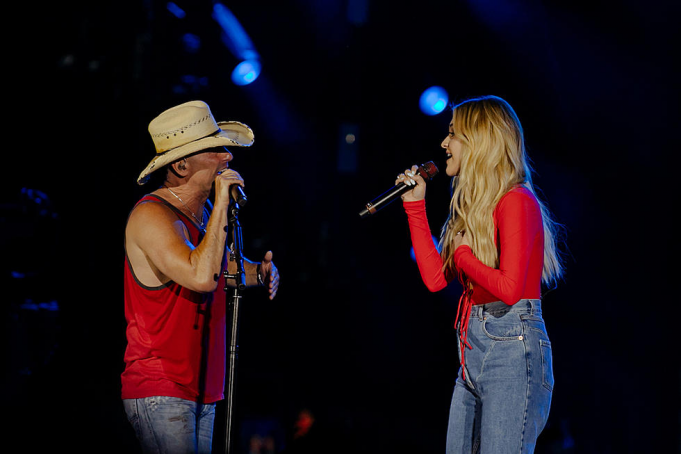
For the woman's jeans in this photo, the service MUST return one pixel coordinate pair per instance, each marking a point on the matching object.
(171, 425)
(502, 404)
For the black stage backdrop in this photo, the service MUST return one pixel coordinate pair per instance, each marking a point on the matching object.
(354, 339)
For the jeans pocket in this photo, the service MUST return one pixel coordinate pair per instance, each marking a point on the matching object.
(533, 322)
(505, 328)
(546, 364)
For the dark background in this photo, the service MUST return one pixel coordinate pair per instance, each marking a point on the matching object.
(353, 337)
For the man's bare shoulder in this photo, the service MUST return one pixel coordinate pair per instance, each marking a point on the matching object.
(149, 219)
(150, 234)
(151, 211)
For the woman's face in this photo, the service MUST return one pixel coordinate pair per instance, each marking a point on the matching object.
(453, 148)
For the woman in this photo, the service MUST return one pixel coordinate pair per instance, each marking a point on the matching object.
(500, 242)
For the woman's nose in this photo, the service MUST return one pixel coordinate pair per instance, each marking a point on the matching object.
(445, 143)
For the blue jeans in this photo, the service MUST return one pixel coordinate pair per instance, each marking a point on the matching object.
(171, 425)
(503, 403)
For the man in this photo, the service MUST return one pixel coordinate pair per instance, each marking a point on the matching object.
(176, 247)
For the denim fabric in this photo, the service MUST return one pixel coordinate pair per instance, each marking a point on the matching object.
(171, 425)
(503, 403)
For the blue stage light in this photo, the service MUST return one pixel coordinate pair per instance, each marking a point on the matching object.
(246, 72)
(191, 43)
(433, 100)
(234, 36)
(176, 10)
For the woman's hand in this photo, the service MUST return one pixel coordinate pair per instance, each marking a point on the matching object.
(461, 240)
(411, 177)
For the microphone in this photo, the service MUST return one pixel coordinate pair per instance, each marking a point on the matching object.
(427, 171)
(238, 195)
(236, 192)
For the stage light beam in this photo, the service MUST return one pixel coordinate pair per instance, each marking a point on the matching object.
(176, 10)
(239, 43)
(234, 36)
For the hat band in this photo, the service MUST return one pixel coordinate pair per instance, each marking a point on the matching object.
(219, 130)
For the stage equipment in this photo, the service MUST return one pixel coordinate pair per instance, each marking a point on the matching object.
(433, 100)
(233, 225)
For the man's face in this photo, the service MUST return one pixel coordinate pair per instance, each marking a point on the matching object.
(206, 165)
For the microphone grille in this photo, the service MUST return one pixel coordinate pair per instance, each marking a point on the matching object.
(428, 170)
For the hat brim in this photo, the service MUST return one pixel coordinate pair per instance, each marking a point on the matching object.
(231, 134)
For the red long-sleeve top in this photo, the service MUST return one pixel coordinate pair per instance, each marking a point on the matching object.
(519, 238)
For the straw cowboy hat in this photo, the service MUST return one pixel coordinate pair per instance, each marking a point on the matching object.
(188, 128)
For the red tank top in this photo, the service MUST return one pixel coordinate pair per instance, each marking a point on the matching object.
(176, 337)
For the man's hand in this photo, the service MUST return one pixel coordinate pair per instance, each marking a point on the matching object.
(270, 274)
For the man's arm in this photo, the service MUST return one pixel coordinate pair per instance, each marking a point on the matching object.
(162, 239)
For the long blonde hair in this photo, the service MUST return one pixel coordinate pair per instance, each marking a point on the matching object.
(493, 161)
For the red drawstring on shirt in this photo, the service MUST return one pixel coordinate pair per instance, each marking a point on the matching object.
(463, 315)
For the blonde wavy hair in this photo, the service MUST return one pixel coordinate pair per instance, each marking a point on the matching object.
(493, 161)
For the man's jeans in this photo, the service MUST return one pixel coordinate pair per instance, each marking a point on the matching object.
(503, 403)
(171, 425)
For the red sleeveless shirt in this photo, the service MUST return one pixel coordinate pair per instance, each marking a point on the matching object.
(176, 337)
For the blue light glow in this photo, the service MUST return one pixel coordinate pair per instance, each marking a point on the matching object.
(246, 72)
(191, 43)
(234, 36)
(433, 100)
(176, 10)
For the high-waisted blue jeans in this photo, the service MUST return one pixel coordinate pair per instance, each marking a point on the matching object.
(503, 403)
(169, 425)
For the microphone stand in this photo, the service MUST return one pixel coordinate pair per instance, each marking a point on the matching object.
(240, 279)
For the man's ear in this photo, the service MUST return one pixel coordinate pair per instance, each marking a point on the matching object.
(179, 168)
